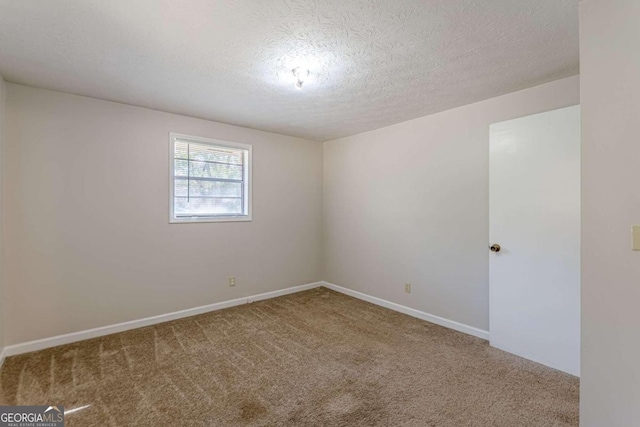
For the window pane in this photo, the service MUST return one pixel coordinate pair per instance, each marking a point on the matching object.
(208, 188)
(207, 206)
(207, 153)
(209, 180)
(184, 168)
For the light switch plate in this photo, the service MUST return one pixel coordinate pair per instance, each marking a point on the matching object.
(636, 237)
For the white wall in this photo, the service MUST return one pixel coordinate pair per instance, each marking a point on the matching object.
(610, 90)
(88, 241)
(2, 127)
(410, 203)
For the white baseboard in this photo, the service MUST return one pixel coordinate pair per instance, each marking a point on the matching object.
(41, 344)
(3, 356)
(460, 327)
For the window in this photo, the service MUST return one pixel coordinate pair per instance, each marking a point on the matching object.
(210, 180)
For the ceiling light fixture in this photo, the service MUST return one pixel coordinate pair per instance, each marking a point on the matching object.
(301, 75)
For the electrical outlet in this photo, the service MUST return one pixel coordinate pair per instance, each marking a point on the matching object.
(232, 281)
(407, 288)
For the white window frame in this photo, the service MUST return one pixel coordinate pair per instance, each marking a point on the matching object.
(216, 143)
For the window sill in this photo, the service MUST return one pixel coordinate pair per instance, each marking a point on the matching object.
(201, 220)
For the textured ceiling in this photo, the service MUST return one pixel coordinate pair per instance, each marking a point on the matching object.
(373, 62)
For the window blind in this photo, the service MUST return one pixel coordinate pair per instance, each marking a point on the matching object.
(209, 180)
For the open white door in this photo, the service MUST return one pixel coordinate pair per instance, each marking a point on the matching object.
(535, 218)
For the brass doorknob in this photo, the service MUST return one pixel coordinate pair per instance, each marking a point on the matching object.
(495, 247)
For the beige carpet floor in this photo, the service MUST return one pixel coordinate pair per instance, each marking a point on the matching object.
(316, 358)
